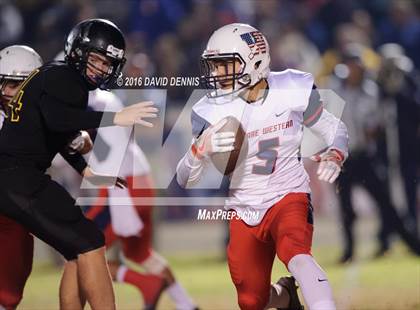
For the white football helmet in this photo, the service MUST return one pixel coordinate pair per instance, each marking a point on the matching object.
(231, 43)
(17, 62)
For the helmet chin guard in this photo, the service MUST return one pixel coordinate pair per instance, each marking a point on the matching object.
(243, 48)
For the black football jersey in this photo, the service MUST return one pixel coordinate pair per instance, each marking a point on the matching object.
(46, 113)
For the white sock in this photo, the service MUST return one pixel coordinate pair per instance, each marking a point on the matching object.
(323, 304)
(180, 297)
(313, 282)
(121, 271)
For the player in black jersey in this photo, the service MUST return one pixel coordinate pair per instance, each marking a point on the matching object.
(46, 113)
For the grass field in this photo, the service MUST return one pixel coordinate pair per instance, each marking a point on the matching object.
(390, 283)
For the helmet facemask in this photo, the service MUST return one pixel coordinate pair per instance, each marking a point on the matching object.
(103, 79)
(9, 86)
(223, 74)
(104, 71)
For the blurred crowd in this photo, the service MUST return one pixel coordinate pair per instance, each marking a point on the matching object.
(166, 37)
(367, 51)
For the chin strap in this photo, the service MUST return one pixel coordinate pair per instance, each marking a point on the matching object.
(245, 94)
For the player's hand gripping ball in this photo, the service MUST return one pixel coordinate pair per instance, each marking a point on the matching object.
(225, 143)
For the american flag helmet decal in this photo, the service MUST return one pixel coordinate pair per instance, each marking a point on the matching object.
(255, 39)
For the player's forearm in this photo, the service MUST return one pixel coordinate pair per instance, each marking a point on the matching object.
(189, 169)
(333, 131)
(75, 160)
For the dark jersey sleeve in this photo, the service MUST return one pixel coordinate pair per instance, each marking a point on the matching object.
(75, 160)
(64, 101)
(60, 116)
(314, 109)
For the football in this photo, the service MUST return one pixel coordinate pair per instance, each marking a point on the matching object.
(227, 162)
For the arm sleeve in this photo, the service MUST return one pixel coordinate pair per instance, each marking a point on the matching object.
(314, 109)
(333, 131)
(75, 160)
(189, 169)
(325, 125)
(61, 117)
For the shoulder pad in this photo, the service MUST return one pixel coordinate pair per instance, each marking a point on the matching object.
(301, 79)
(291, 78)
(64, 83)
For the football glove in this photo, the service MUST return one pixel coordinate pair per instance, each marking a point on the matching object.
(212, 141)
(81, 142)
(330, 163)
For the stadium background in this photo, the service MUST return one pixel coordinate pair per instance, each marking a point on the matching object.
(166, 38)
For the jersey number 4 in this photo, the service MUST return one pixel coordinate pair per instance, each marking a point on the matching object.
(16, 104)
(15, 107)
(267, 152)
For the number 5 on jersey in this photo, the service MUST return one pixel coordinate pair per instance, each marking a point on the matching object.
(267, 152)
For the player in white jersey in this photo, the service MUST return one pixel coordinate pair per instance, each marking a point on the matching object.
(121, 218)
(273, 108)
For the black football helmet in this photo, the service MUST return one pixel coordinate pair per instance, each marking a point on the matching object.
(100, 36)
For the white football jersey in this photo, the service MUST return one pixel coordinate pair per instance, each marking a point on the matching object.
(115, 151)
(274, 129)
